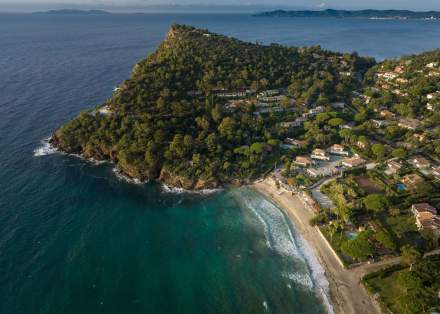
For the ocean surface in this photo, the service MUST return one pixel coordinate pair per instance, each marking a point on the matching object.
(75, 238)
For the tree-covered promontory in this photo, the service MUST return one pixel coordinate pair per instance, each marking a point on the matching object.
(205, 110)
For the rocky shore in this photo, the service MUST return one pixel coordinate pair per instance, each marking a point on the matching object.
(140, 174)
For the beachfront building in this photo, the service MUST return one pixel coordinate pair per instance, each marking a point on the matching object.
(426, 217)
(320, 154)
(353, 162)
(387, 114)
(316, 172)
(393, 166)
(409, 124)
(420, 162)
(412, 180)
(337, 149)
(303, 161)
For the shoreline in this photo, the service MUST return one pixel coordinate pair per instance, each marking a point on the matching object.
(346, 291)
(47, 148)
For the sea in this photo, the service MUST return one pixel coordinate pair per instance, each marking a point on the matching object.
(77, 238)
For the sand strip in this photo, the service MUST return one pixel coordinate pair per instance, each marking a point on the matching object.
(347, 293)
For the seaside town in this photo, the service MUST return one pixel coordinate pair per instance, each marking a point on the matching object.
(347, 147)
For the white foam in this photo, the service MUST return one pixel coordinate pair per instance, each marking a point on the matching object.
(274, 224)
(281, 239)
(317, 272)
(265, 305)
(301, 279)
(46, 148)
(121, 176)
(261, 220)
(176, 190)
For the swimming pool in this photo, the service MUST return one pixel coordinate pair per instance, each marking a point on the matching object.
(400, 187)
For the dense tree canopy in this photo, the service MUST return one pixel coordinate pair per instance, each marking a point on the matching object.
(169, 115)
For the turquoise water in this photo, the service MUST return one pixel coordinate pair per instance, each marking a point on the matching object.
(90, 243)
(76, 239)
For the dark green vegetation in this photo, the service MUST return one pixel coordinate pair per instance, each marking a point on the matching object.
(171, 121)
(354, 14)
(382, 221)
(402, 290)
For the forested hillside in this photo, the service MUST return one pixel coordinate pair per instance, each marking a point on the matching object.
(190, 113)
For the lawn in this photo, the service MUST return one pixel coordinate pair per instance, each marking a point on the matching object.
(336, 242)
(388, 289)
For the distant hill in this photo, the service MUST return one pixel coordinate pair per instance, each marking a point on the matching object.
(372, 14)
(73, 12)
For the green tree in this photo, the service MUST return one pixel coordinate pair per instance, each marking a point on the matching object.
(410, 255)
(409, 280)
(399, 153)
(216, 113)
(257, 148)
(375, 202)
(385, 239)
(335, 122)
(378, 150)
(227, 126)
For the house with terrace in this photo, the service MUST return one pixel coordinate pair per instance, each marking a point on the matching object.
(354, 162)
(393, 166)
(303, 161)
(419, 162)
(409, 124)
(426, 217)
(337, 149)
(320, 154)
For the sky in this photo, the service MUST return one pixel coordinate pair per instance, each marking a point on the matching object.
(140, 5)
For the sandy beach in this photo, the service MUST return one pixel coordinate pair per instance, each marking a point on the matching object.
(347, 294)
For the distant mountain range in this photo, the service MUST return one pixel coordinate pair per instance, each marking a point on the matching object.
(73, 12)
(372, 14)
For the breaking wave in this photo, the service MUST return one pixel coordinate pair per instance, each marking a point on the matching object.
(175, 190)
(46, 148)
(284, 241)
(121, 176)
